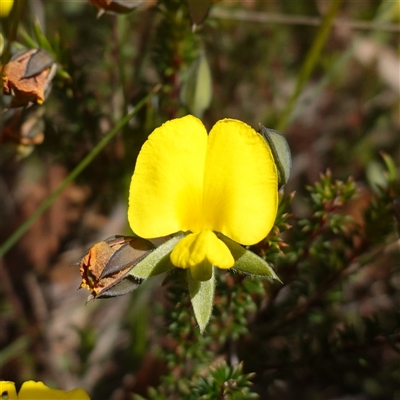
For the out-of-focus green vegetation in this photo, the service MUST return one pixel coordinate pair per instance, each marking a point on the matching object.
(325, 73)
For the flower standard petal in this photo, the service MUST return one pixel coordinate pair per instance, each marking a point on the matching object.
(240, 183)
(167, 185)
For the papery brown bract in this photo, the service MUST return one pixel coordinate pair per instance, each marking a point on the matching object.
(27, 77)
(105, 265)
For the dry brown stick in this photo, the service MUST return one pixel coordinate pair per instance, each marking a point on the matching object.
(256, 16)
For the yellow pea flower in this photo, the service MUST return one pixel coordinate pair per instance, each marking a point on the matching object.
(187, 180)
(5, 7)
(31, 390)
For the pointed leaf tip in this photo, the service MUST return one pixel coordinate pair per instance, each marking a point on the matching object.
(202, 298)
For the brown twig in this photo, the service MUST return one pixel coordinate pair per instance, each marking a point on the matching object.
(256, 16)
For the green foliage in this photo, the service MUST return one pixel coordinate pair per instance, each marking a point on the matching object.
(320, 340)
(188, 362)
(303, 325)
(330, 328)
(224, 382)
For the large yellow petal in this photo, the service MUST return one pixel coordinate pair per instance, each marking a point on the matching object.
(32, 390)
(240, 184)
(8, 391)
(167, 185)
(199, 252)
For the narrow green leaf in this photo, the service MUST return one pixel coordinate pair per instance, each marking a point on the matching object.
(26, 38)
(281, 152)
(375, 174)
(248, 262)
(202, 298)
(390, 165)
(41, 38)
(198, 10)
(196, 91)
(158, 260)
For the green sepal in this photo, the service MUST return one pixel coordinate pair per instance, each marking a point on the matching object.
(202, 298)
(157, 261)
(280, 151)
(248, 262)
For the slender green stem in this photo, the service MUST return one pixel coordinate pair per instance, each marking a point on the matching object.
(13, 350)
(310, 62)
(23, 34)
(10, 242)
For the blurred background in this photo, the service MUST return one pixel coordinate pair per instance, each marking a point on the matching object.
(228, 59)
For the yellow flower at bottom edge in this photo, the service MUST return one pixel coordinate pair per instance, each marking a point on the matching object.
(5, 7)
(187, 180)
(31, 390)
